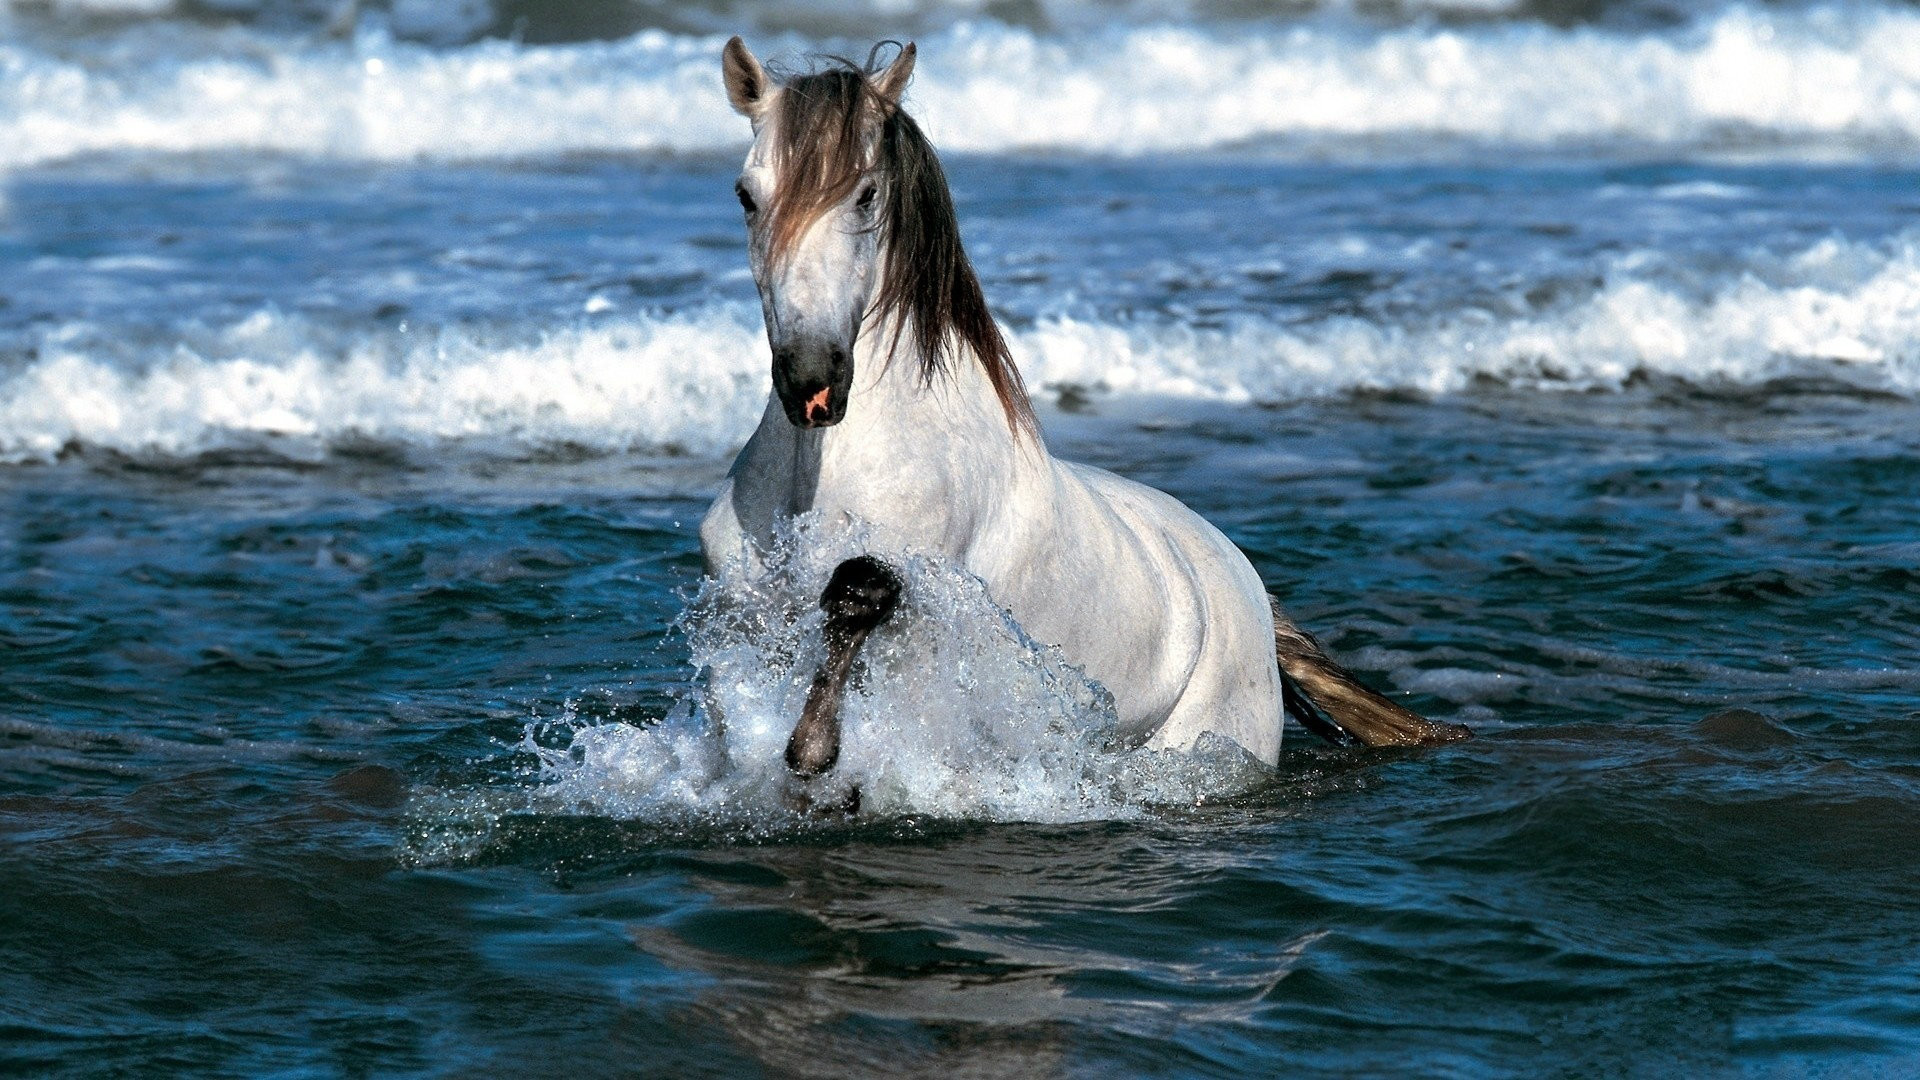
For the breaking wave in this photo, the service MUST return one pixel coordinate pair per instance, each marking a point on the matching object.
(696, 381)
(1837, 80)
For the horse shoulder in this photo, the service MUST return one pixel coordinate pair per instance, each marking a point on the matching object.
(1170, 543)
(1199, 540)
(1148, 511)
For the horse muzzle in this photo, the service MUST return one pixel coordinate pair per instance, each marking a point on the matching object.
(813, 383)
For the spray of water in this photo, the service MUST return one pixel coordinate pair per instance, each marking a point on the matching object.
(957, 714)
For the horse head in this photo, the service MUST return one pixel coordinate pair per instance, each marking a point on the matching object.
(850, 226)
(812, 192)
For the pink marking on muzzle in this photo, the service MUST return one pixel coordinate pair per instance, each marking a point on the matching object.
(817, 406)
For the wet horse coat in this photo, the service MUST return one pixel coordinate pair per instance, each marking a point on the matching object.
(897, 407)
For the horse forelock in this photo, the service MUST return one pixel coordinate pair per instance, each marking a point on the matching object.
(819, 150)
(831, 128)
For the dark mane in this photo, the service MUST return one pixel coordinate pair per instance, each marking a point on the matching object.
(928, 288)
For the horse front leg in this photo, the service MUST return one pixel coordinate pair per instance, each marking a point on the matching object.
(859, 597)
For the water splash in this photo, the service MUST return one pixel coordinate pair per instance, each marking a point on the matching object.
(957, 715)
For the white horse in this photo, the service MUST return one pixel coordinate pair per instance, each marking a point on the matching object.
(897, 405)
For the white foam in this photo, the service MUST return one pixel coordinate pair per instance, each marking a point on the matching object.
(691, 382)
(1836, 79)
(374, 99)
(696, 381)
(1839, 310)
(117, 8)
(1828, 74)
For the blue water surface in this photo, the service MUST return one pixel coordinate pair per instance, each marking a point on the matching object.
(270, 701)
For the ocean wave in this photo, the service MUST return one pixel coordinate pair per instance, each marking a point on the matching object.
(693, 382)
(458, 21)
(696, 381)
(1832, 80)
(1840, 311)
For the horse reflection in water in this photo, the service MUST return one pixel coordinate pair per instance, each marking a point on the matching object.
(897, 409)
(935, 957)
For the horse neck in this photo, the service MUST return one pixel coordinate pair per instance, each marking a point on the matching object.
(895, 403)
(932, 451)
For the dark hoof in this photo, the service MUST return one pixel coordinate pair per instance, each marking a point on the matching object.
(861, 594)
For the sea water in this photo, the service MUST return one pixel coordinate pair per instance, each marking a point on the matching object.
(365, 372)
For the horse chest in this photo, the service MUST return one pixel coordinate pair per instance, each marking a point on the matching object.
(905, 494)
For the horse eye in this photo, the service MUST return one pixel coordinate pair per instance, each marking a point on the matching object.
(746, 200)
(865, 202)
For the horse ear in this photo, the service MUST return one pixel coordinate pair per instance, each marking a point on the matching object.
(892, 82)
(747, 83)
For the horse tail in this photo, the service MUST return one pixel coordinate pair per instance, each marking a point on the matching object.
(1331, 703)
